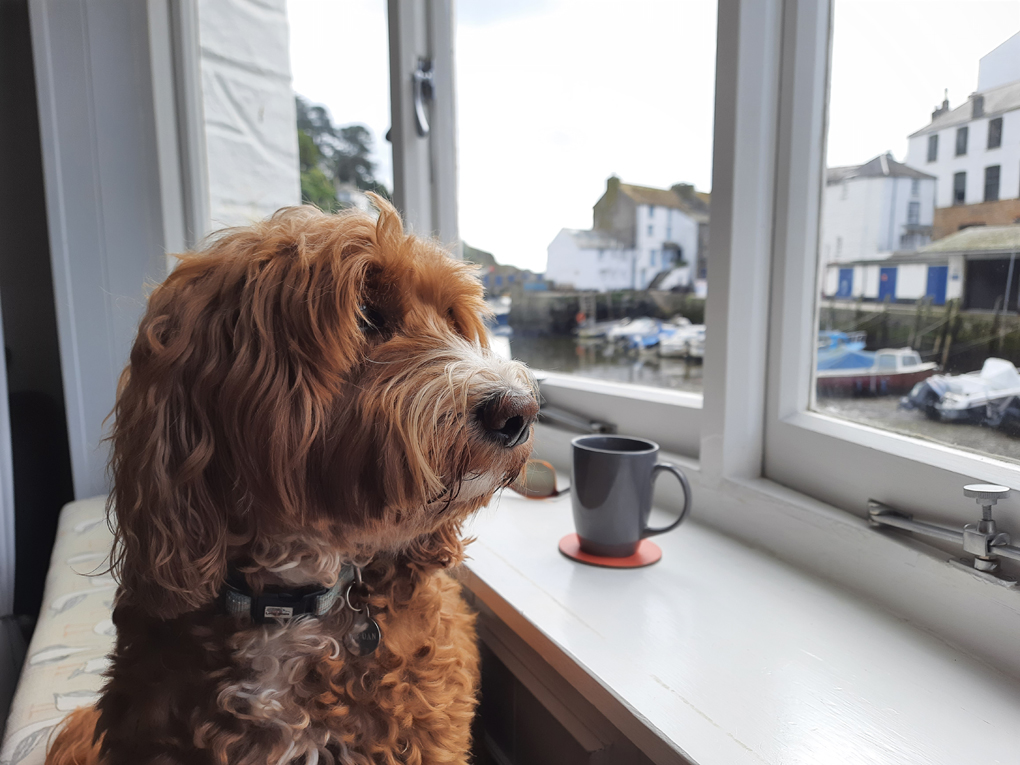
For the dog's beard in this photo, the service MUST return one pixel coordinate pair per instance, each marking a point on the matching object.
(423, 457)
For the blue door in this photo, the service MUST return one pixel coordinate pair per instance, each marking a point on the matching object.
(846, 283)
(887, 284)
(937, 277)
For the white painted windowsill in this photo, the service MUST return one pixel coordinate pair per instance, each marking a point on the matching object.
(725, 655)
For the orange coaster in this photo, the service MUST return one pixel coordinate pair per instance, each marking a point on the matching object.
(647, 553)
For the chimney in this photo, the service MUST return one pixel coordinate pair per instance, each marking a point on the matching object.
(612, 184)
(940, 110)
(978, 103)
(683, 190)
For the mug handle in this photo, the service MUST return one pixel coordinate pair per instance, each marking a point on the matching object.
(650, 532)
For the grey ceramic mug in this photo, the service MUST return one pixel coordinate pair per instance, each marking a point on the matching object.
(612, 493)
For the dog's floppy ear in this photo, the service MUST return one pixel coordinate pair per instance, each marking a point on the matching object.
(234, 376)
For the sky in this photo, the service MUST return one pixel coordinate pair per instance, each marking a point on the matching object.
(554, 96)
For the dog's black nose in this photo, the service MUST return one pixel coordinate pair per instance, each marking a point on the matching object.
(506, 418)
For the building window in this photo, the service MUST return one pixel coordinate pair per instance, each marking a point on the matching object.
(652, 256)
(913, 213)
(992, 183)
(669, 233)
(839, 246)
(651, 229)
(844, 189)
(651, 211)
(959, 188)
(915, 187)
(933, 147)
(995, 133)
(961, 141)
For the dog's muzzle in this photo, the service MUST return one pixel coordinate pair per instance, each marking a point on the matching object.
(506, 418)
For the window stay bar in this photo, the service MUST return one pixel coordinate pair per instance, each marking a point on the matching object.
(983, 540)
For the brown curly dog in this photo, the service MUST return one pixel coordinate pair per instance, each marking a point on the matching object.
(308, 400)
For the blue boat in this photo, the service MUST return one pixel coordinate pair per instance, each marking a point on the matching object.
(843, 350)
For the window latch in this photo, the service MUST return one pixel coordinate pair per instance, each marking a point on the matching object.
(983, 540)
(422, 80)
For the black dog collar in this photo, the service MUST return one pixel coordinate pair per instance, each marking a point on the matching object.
(275, 603)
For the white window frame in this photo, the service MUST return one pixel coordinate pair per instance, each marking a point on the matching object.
(764, 467)
(802, 445)
(844, 464)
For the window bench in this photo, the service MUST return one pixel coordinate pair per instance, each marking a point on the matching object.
(68, 653)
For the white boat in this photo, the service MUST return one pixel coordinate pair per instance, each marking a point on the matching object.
(628, 329)
(988, 397)
(686, 342)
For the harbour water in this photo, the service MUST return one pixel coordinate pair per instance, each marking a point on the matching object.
(607, 362)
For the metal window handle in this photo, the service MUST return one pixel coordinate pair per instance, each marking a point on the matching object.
(422, 82)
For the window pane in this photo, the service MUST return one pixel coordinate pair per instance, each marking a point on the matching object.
(992, 183)
(961, 141)
(342, 120)
(585, 133)
(959, 188)
(918, 325)
(995, 133)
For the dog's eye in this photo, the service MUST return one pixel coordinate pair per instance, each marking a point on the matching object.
(371, 319)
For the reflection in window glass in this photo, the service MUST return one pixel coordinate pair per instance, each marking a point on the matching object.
(342, 96)
(918, 325)
(585, 145)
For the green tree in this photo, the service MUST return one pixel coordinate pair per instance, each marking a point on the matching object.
(316, 187)
(330, 154)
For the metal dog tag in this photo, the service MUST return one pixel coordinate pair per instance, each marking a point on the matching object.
(364, 636)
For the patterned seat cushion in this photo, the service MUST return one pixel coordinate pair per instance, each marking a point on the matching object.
(68, 652)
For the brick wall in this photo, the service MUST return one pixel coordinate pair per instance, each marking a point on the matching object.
(951, 219)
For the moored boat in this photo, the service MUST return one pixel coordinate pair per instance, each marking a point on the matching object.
(990, 396)
(860, 372)
(687, 341)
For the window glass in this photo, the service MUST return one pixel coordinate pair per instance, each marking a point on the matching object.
(995, 133)
(918, 320)
(959, 188)
(961, 141)
(992, 183)
(579, 123)
(342, 121)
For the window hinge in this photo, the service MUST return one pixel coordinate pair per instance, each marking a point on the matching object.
(983, 540)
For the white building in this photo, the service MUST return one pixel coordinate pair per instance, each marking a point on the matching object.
(974, 149)
(638, 233)
(875, 209)
(590, 260)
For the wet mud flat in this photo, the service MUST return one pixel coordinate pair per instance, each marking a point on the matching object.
(884, 412)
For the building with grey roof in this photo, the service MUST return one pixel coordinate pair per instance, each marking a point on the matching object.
(872, 210)
(638, 233)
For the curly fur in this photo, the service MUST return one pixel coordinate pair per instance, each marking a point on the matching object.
(303, 393)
